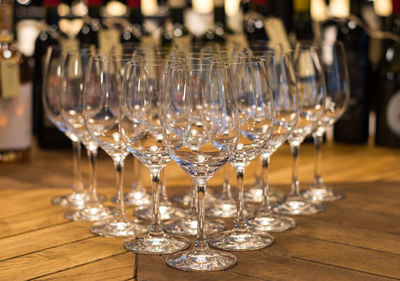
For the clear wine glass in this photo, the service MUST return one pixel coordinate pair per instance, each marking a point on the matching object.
(201, 132)
(311, 93)
(167, 210)
(256, 120)
(284, 88)
(141, 132)
(334, 63)
(137, 196)
(74, 77)
(52, 89)
(101, 111)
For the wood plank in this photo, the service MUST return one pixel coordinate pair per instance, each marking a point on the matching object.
(120, 267)
(348, 235)
(59, 258)
(338, 255)
(32, 241)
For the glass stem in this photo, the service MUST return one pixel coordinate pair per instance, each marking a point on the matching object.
(201, 240)
(120, 206)
(164, 195)
(78, 185)
(92, 155)
(294, 149)
(226, 187)
(240, 221)
(193, 201)
(265, 204)
(155, 228)
(137, 171)
(318, 140)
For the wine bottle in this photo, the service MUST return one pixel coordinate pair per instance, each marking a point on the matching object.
(133, 32)
(174, 28)
(353, 126)
(302, 24)
(89, 33)
(253, 24)
(48, 136)
(388, 98)
(216, 33)
(283, 9)
(15, 92)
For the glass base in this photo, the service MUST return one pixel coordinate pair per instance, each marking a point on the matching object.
(204, 259)
(156, 244)
(298, 206)
(241, 240)
(91, 212)
(136, 198)
(254, 195)
(267, 221)
(167, 212)
(226, 209)
(321, 194)
(188, 226)
(114, 228)
(76, 200)
(185, 199)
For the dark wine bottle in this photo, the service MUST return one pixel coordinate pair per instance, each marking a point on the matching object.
(283, 9)
(353, 126)
(302, 23)
(48, 136)
(133, 32)
(216, 33)
(388, 97)
(253, 24)
(89, 33)
(174, 28)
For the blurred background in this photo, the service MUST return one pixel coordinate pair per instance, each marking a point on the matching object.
(369, 29)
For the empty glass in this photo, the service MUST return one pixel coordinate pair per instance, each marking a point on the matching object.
(334, 63)
(200, 132)
(284, 88)
(311, 93)
(101, 111)
(74, 77)
(141, 132)
(52, 90)
(256, 120)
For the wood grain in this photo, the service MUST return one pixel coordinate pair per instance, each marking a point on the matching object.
(357, 238)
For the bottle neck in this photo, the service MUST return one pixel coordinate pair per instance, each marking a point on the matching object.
(219, 15)
(176, 8)
(52, 16)
(261, 7)
(6, 21)
(94, 12)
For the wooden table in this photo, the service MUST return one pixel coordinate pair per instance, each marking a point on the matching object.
(354, 239)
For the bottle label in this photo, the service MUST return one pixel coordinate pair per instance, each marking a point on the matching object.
(16, 120)
(393, 113)
(177, 3)
(10, 83)
(108, 39)
(276, 32)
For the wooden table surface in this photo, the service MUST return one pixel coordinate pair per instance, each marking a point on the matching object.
(354, 239)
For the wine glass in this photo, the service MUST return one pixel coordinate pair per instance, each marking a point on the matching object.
(167, 210)
(52, 90)
(311, 93)
(101, 110)
(141, 132)
(284, 90)
(200, 132)
(334, 63)
(74, 76)
(256, 121)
